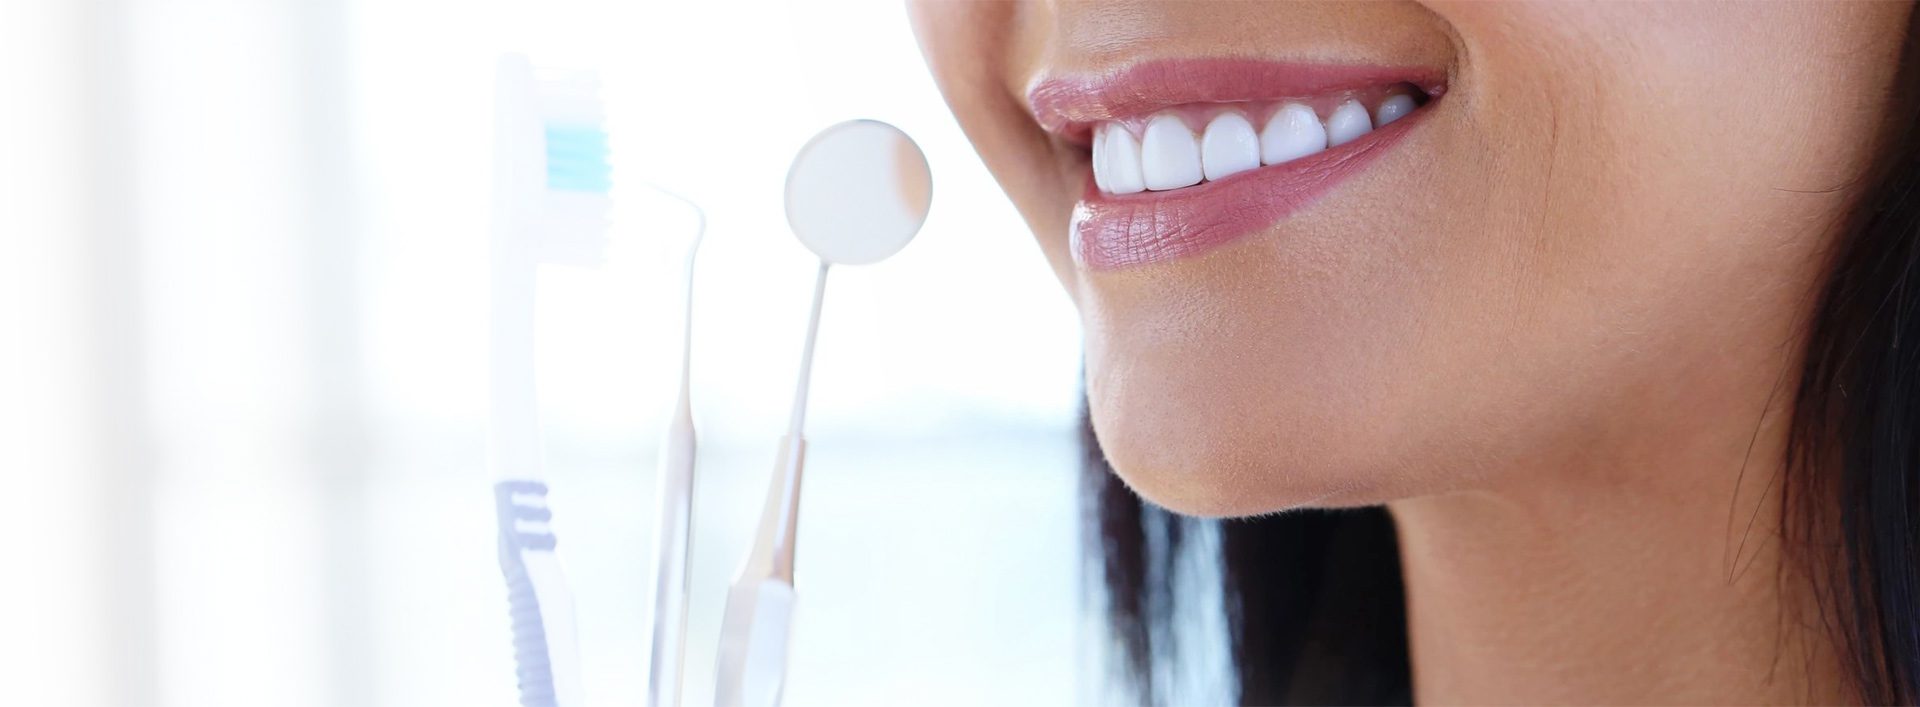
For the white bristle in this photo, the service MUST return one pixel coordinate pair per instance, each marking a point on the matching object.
(569, 97)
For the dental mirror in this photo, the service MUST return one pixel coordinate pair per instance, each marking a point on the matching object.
(858, 192)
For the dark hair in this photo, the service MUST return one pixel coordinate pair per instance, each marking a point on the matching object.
(1313, 598)
(1314, 601)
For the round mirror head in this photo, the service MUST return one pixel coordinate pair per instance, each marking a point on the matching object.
(857, 192)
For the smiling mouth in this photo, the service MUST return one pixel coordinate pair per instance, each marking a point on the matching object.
(1188, 155)
(1164, 152)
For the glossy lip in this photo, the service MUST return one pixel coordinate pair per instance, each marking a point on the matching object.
(1117, 231)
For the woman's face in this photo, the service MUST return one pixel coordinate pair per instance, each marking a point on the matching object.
(1589, 237)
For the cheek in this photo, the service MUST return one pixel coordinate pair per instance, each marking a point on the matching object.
(977, 52)
(1311, 367)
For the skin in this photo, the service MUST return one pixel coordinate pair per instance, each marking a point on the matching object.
(1545, 330)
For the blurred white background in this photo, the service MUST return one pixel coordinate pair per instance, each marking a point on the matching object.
(244, 298)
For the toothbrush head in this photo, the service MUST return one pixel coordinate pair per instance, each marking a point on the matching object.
(554, 161)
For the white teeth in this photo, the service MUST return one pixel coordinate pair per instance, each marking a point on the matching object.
(1396, 106)
(1230, 146)
(1120, 160)
(1348, 122)
(1169, 154)
(1292, 133)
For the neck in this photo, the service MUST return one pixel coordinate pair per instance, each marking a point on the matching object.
(1658, 577)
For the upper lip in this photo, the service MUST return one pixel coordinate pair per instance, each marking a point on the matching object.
(1069, 104)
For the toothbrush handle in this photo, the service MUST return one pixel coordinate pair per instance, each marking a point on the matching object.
(534, 669)
(537, 602)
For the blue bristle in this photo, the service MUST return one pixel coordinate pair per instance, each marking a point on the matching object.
(577, 159)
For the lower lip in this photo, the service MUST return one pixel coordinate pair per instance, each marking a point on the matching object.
(1118, 231)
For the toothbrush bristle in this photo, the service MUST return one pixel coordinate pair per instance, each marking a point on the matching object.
(576, 139)
(577, 158)
(579, 171)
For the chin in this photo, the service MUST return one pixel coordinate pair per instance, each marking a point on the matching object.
(1208, 446)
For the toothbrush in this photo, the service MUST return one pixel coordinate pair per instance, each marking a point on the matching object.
(550, 182)
(676, 512)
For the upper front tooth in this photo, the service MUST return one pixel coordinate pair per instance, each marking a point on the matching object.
(1396, 106)
(1098, 156)
(1230, 146)
(1169, 155)
(1292, 133)
(1349, 121)
(1120, 160)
